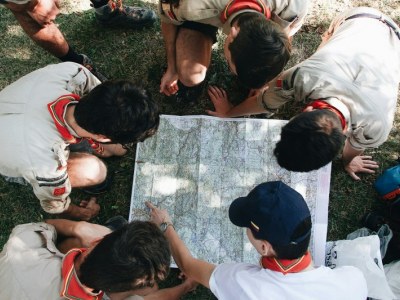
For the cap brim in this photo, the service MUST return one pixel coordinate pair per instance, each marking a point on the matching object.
(238, 214)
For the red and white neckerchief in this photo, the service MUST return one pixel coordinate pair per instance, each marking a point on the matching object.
(57, 110)
(234, 6)
(286, 266)
(71, 287)
(168, 10)
(321, 104)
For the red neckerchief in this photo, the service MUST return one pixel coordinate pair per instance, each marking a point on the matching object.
(234, 6)
(320, 104)
(71, 287)
(57, 109)
(286, 265)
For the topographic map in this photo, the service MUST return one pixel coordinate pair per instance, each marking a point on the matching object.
(195, 166)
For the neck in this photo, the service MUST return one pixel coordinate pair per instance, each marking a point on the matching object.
(71, 121)
(285, 266)
(70, 118)
(78, 262)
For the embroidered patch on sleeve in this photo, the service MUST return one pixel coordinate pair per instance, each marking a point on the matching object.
(59, 191)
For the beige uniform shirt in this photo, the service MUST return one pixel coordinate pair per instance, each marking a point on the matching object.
(32, 147)
(289, 14)
(357, 67)
(30, 264)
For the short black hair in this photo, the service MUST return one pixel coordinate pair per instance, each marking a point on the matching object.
(119, 110)
(310, 141)
(133, 257)
(293, 251)
(260, 51)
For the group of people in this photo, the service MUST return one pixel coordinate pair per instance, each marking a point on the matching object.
(57, 122)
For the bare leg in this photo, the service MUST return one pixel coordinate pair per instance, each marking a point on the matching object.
(46, 35)
(193, 56)
(85, 170)
(172, 293)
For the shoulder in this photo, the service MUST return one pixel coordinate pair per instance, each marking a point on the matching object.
(350, 277)
(228, 279)
(229, 270)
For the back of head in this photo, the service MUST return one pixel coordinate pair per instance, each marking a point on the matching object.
(276, 213)
(118, 110)
(260, 51)
(130, 258)
(309, 141)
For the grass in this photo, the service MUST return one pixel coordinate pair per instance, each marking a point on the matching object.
(139, 56)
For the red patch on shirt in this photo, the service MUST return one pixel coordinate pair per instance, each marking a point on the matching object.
(59, 191)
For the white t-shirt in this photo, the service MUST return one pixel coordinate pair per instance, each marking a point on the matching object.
(241, 281)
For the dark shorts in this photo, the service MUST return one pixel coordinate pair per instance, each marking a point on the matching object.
(3, 2)
(206, 29)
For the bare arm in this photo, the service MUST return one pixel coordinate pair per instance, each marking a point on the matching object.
(77, 234)
(112, 150)
(173, 293)
(224, 109)
(168, 83)
(355, 162)
(196, 269)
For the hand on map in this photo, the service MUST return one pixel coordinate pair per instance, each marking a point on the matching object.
(361, 163)
(158, 216)
(221, 102)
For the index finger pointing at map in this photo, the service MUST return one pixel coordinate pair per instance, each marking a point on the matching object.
(150, 205)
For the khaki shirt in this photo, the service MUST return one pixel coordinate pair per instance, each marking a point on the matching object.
(30, 264)
(357, 67)
(32, 147)
(289, 14)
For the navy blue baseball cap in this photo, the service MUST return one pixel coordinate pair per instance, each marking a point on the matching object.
(272, 211)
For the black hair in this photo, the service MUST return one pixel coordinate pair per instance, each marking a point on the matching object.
(310, 141)
(118, 110)
(133, 257)
(260, 51)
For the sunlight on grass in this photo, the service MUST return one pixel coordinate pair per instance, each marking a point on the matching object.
(21, 54)
(14, 30)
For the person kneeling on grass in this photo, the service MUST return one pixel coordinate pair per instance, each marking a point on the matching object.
(349, 87)
(57, 121)
(123, 264)
(278, 225)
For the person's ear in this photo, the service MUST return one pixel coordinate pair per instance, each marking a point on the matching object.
(234, 31)
(266, 249)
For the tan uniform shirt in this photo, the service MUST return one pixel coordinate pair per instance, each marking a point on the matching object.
(357, 66)
(32, 147)
(289, 14)
(30, 264)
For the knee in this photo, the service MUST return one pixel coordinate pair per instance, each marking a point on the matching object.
(192, 76)
(95, 170)
(86, 170)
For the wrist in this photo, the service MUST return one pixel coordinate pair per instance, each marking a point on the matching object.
(165, 225)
